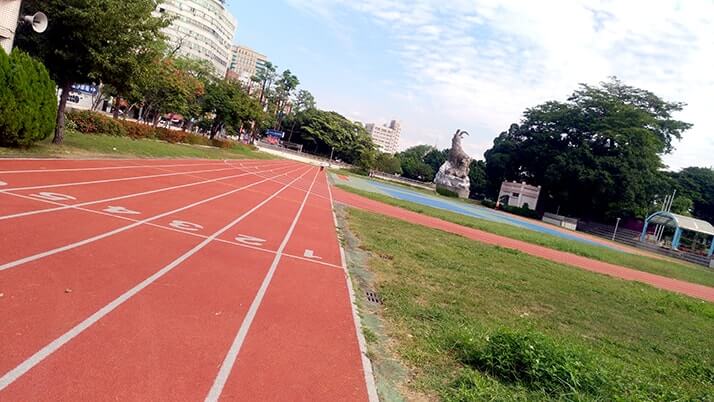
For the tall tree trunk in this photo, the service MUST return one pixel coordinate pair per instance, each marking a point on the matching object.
(115, 112)
(59, 128)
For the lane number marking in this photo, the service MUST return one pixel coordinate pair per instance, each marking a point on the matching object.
(187, 226)
(311, 255)
(120, 211)
(2, 183)
(53, 196)
(250, 240)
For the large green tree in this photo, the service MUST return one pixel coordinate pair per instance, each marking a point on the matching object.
(89, 40)
(413, 165)
(329, 133)
(696, 184)
(597, 155)
(230, 105)
(388, 163)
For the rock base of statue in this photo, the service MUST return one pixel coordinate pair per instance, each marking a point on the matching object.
(448, 179)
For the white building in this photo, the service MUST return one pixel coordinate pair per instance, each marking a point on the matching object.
(385, 137)
(201, 29)
(245, 63)
(519, 195)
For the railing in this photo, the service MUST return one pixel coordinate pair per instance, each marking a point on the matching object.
(632, 238)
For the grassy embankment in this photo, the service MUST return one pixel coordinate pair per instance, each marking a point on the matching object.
(92, 145)
(477, 322)
(665, 267)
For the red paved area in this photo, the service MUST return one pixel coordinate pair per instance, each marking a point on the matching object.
(674, 285)
(173, 280)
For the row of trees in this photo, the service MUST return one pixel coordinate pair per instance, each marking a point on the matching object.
(597, 155)
(120, 45)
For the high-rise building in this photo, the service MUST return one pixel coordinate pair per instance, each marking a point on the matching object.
(245, 62)
(201, 29)
(386, 137)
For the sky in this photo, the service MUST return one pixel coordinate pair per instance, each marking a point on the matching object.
(476, 65)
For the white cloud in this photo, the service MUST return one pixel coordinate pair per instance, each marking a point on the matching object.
(482, 62)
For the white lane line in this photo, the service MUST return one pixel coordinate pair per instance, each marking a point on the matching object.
(92, 239)
(12, 375)
(102, 168)
(296, 187)
(227, 366)
(123, 197)
(367, 368)
(81, 183)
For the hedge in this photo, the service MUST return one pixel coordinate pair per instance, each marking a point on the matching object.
(88, 122)
(28, 101)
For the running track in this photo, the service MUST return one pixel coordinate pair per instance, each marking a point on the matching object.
(174, 280)
(661, 282)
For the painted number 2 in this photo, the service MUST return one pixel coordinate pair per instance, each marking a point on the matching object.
(53, 196)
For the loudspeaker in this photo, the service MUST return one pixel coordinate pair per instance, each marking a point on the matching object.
(38, 21)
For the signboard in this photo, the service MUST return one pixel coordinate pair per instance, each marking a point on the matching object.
(275, 133)
(85, 88)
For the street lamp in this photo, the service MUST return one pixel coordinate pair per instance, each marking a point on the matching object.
(9, 19)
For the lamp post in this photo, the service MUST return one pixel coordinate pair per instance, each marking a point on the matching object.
(617, 225)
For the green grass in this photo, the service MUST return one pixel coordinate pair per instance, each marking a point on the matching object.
(477, 322)
(89, 145)
(683, 271)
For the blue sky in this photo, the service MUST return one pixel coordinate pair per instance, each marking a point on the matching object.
(477, 64)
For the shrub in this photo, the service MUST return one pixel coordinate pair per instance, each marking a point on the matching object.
(222, 143)
(488, 203)
(172, 136)
(28, 100)
(139, 131)
(88, 122)
(532, 360)
(523, 211)
(446, 192)
(196, 139)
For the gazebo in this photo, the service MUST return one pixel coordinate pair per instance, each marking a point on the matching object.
(698, 234)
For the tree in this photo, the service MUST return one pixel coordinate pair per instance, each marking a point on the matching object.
(697, 185)
(436, 158)
(265, 77)
(230, 106)
(304, 100)
(477, 177)
(27, 100)
(284, 89)
(87, 40)
(165, 88)
(598, 155)
(413, 165)
(321, 132)
(388, 163)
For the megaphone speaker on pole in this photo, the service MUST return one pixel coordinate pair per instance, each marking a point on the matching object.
(38, 21)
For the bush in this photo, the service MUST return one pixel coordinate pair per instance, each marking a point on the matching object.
(523, 211)
(94, 123)
(532, 360)
(28, 100)
(488, 203)
(446, 192)
(139, 131)
(195, 139)
(172, 136)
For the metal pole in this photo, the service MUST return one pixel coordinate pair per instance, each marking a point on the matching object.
(617, 225)
(332, 152)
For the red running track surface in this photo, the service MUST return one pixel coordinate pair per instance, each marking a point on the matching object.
(173, 280)
(661, 282)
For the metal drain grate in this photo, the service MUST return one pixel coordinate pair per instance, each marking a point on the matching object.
(374, 298)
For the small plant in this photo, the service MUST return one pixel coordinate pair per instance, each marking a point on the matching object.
(488, 203)
(531, 360)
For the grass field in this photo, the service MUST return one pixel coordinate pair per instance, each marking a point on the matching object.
(476, 322)
(86, 145)
(683, 271)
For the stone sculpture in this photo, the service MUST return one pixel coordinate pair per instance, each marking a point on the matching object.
(454, 173)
